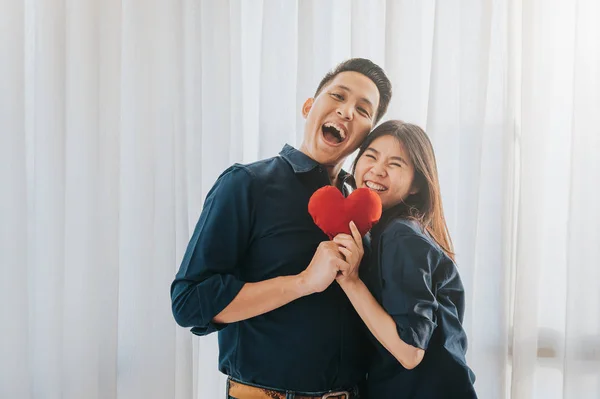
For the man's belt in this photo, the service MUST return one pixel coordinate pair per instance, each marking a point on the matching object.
(239, 390)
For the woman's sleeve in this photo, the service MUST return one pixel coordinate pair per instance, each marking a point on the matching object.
(407, 265)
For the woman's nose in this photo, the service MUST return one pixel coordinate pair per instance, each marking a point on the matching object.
(378, 170)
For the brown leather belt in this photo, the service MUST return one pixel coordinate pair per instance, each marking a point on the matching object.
(240, 390)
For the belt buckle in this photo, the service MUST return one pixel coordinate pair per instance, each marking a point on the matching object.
(339, 393)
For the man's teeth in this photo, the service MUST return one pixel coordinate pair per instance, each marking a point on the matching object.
(338, 129)
(375, 186)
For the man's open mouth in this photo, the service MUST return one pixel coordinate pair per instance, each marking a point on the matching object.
(333, 134)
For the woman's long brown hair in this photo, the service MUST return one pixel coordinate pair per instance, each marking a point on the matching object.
(426, 205)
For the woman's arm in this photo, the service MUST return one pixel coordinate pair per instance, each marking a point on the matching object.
(381, 324)
(378, 321)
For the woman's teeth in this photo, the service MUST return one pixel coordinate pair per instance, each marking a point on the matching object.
(375, 186)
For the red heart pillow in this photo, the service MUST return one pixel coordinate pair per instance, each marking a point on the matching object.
(333, 213)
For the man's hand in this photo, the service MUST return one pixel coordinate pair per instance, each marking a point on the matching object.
(323, 267)
(351, 247)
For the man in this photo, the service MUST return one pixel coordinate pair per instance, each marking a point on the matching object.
(260, 272)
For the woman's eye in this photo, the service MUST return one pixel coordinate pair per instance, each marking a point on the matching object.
(337, 96)
(369, 156)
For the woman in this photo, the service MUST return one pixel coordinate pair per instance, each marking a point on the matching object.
(409, 294)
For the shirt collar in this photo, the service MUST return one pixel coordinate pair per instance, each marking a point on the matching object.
(302, 163)
(298, 160)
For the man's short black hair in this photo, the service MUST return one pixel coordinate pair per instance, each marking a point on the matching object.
(371, 71)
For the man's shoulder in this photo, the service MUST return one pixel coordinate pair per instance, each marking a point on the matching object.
(252, 175)
(264, 168)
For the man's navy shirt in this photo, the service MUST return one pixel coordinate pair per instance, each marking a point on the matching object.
(255, 226)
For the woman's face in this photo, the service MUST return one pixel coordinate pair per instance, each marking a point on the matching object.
(386, 169)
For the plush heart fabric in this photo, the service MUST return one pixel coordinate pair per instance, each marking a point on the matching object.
(333, 213)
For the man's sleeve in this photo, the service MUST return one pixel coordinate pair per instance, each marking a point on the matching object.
(407, 264)
(208, 278)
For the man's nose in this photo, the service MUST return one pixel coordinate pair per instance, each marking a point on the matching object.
(345, 112)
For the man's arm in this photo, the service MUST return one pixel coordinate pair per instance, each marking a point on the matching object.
(257, 298)
(207, 290)
(207, 280)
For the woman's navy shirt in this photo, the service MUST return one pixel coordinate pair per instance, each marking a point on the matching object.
(419, 286)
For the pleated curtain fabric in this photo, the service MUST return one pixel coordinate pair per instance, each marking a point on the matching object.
(116, 117)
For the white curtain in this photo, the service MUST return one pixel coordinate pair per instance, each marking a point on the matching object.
(116, 117)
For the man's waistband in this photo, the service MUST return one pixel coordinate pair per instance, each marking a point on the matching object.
(242, 390)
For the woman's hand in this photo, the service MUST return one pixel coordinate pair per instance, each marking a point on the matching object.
(351, 246)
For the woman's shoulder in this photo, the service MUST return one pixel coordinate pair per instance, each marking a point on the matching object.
(408, 231)
(402, 226)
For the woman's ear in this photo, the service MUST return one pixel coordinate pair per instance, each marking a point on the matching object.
(414, 188)
(307, 106)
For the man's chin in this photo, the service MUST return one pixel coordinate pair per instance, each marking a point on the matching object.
(329, 156)
(325, 154)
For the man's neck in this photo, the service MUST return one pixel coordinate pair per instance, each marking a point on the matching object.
(333, 172)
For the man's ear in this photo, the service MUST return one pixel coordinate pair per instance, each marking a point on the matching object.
(307, 106)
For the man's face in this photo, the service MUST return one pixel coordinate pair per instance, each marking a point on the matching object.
(339, 118)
